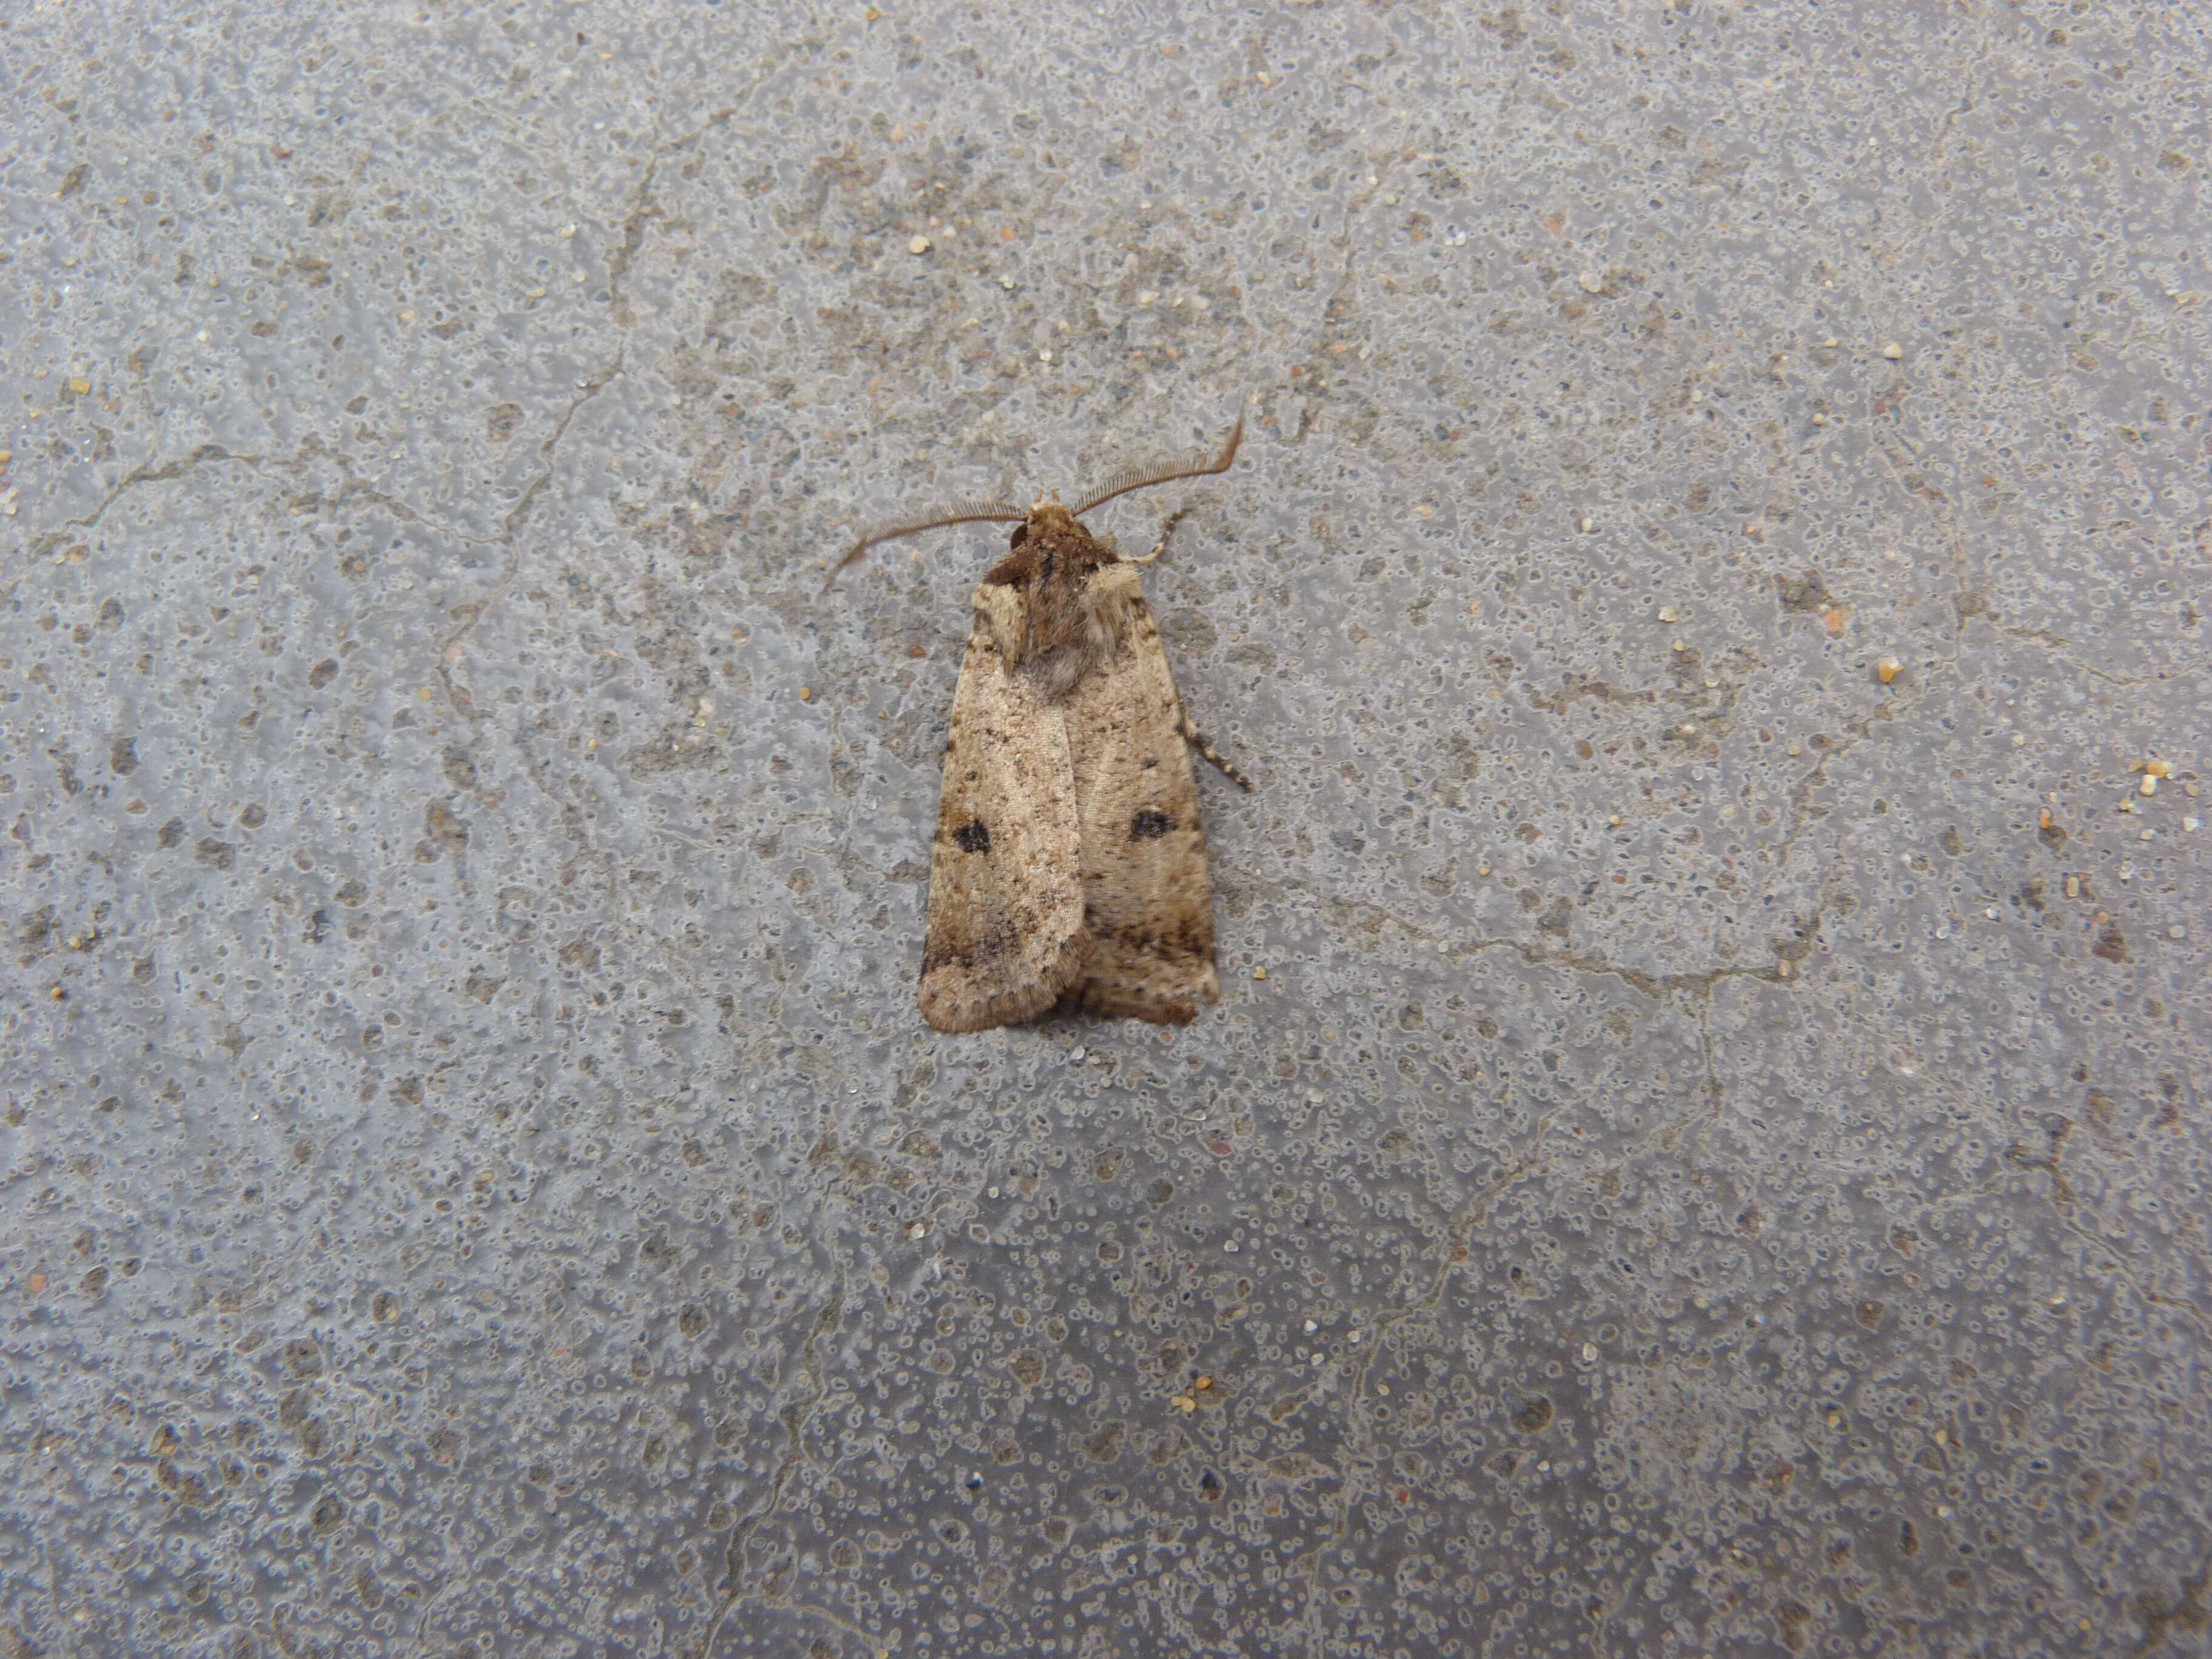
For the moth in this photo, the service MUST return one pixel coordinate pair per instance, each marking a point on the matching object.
(1069, 866)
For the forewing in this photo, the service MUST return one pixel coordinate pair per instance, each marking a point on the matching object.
(1006, 933)
(1148, 903)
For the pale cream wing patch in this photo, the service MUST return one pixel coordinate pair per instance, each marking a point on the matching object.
(1148, 903)
(1005, 933)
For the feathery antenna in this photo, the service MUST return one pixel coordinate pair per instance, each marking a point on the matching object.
(1141, 479)
(1001, 512)
(960, 513)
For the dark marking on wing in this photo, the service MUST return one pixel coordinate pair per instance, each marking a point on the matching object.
(1185, 938)
(973, 837)
(984, 949)
(1150, 824)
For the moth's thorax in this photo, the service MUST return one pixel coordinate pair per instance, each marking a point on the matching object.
(1051, 544)
(1053, 621)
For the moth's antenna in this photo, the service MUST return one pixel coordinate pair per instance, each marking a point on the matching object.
(1144, 480)
(960, 513)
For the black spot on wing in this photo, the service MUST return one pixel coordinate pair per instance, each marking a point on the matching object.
(1150, 824)
(973, 837)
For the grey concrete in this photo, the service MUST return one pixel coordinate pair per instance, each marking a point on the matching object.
(1703, 1147)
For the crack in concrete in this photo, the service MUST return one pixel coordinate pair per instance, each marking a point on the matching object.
(1654, 986)
(795, 1426)
(1967, 601)
(310, 448)
(1891, 706)
(467, 615)
(145, 472)
(644, 211)
(2067, 1201)
(590, 388)
(1359, 1435)
(458, 1576)
(644, 208)
(2060, 645)
(1859, 727)
(795, 1419)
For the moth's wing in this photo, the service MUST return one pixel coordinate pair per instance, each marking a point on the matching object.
(1005, 888)
(1148, 903)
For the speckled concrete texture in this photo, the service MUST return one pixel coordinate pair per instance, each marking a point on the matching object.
(1703, 1147)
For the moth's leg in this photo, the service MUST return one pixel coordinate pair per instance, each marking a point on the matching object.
(1196, 740)
(1161, 545)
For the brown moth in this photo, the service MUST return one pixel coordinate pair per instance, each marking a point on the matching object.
(1070, 861)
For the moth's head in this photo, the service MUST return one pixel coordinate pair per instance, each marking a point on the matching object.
(1049, 519)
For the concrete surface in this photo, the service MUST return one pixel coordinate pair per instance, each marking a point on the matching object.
(1716, 1162)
